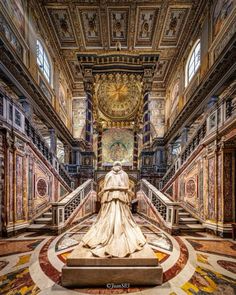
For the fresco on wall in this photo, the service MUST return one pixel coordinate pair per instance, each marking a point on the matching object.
(157, 116)
(62, 98)
(221, 11)
(15, 9)
(174, 100)
(79, 116)
(117, 145)
(10, 36)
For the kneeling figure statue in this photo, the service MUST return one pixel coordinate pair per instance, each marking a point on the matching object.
(115, 232)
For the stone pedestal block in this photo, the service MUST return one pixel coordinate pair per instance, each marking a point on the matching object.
(84, 270)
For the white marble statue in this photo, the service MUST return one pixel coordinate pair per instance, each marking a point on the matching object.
(115, 232)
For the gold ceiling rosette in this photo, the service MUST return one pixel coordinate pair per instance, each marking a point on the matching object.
(118, 95)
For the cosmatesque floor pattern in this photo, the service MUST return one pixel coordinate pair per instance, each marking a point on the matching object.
(199, 264)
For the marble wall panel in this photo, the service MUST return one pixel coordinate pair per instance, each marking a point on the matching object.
(228, 186)
(19, 188)
(211, 189)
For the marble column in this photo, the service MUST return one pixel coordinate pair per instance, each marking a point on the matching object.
(66, 154)
(184, 136)
(26, 106)
(99, 147)
(135, 155)
(77, 157)
(53, 140)
(89, 114)
(146, 121)
(212, 101)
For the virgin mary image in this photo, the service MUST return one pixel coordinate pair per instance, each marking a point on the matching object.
(115, 232)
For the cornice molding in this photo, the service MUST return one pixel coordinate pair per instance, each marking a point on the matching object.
(20, 77)
(219, 77)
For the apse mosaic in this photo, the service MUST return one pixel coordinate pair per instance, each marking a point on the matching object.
(117, 145)
(119, 97)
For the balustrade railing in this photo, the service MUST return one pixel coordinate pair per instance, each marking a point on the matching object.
(218, 116)
(167, 209)
(13, 114)
(64, 209)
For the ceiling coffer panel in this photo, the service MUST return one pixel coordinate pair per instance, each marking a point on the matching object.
(118, 26)
(146, 22)
(176, 19)
(62, 25)
(91, 26)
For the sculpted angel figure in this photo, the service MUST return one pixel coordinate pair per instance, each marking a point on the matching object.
(115, 232)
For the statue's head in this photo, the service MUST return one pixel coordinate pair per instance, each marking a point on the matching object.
(117, 166)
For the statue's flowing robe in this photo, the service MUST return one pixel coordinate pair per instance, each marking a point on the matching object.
(115, 232)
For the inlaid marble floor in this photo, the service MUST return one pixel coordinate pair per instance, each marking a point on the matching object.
(199, 264)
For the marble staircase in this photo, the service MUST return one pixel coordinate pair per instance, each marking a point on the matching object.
(42, 222)
(187, 223)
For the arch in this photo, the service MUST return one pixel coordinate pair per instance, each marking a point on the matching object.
(44, 61)
(193, 62)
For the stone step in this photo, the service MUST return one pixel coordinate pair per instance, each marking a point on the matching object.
(43, 220)
(47, 214)
(184, 214)
(187, 220)
(191, 227)
(182, 209)
(36, 227)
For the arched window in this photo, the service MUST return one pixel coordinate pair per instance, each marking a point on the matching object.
(193, 62)
(43, 61)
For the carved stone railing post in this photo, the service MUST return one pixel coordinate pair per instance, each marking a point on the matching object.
(64, 210)
(167, 209)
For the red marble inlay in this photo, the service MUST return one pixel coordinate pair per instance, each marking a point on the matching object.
(46, 266)
(228, 265)
(180, 263)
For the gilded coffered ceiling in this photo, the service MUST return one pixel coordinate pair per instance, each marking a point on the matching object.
(140, 26)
